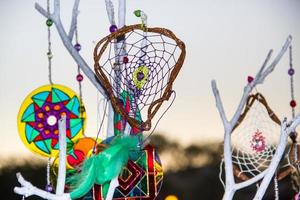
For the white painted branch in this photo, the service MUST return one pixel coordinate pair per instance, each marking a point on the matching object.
(73, 25)
(119, 49)
(68, 44)
(231, 186)
(250, 181)
(27, 189)
(114, 183)
(219, 104)
(286, 130)
(270, 69)
(122, 13)
(110, 116)
(61, 178)
(110, 11)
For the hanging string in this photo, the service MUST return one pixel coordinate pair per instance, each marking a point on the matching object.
(100, 128)
(173, 92)
(49, 23)
(276, 189)
(291, 72)
(79, 76)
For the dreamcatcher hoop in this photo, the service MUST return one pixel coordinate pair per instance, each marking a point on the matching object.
(238, 173)
(102, 77)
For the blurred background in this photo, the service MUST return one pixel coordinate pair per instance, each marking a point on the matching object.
(226, 41)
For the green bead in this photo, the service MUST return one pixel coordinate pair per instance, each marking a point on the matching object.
(50, 55)
(137, 13)
(49, 22)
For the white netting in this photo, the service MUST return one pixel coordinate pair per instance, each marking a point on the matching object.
(254, 141)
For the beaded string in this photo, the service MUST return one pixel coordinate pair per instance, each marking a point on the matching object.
(49, 23)
(79, 76)
(293, 102)
(276, 190)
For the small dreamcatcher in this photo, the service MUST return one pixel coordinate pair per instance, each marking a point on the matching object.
(146, 65)
(255, 139)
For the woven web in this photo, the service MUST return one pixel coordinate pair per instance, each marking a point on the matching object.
(254, 141)
(156, 52)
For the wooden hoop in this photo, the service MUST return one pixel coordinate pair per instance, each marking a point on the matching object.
(155, 105)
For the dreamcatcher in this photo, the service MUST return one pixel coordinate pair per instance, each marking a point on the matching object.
(255, 138)
(254, 141)
(137, 66)
(146, 69)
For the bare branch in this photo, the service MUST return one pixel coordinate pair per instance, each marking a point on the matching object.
(68, 44)
(263, 66)
(61, 177)
(73, 25)
(41, 10)
(110, 11)
(219, 103)
(270, 69)
(231, 186)
(250, 181)
(27, 189)
(122, 13)
(274, 163)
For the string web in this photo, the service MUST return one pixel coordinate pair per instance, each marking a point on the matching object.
(154, 51)
(254, 141)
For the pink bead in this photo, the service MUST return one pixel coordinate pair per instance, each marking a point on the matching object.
(79, 77)
(250, 79)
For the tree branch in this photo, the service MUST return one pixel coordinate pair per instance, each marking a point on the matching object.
(27, 189)
(73, 25)
(231, 186)
(68, 44)
(61, 177)
(270, 69)
(219, 103)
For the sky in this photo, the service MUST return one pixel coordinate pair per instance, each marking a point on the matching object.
(225, 40)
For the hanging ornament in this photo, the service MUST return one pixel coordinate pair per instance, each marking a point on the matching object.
(39, 114)
(140, 179)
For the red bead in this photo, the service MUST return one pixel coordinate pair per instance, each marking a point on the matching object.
(79, 77)
(125, 60)
(250, 79)
(293, 103)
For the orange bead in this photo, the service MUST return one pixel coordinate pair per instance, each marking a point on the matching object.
(41, 115)
(40, 125)
(56, 132)
(47, 108)
(47, 132)
(56, 107)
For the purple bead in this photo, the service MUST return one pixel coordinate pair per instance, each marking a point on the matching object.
(140, 76)
(48, 188)
(77, 46)
(79, 77)
(291, 72)
(113, 28)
